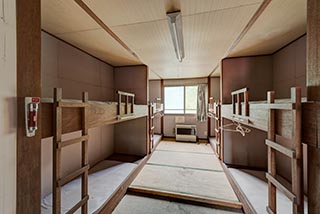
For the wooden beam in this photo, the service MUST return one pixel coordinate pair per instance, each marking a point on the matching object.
(209, 120)
(187, 197)
(313, 94)
(251, 22)
(313, 50)
(105, 27)
(272, 191)
(284, 150)
(28, 18)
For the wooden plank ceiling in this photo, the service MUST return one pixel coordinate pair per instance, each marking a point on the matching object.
(68, 21)
(209, 28)
(281, 22)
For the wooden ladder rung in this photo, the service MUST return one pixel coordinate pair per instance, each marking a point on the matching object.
(284, 150)
(73, 141)
(217, 130)
(269, 211)
(78, 205)
(64, 104)
(282, 106)
(281, 187)
(62, 181)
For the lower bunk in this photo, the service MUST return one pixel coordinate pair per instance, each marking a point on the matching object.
(251, 187)
(107, 183)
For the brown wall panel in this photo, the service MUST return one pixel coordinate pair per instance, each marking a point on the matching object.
(254, 73)
(133, 79)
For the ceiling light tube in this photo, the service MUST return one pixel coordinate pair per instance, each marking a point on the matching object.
(175, 26)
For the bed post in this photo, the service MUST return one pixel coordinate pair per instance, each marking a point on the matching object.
(313, 89)
(57, 130)
(272, 192)
(84, 153)
(296, 163)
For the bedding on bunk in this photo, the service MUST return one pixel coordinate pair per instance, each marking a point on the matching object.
(101, 185)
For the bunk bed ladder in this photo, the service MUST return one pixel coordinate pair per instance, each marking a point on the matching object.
(151, 125)
(296, 194)
(217, 123)
(58, 144)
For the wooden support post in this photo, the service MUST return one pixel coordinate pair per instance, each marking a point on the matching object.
(162, 98)
(119, 104)
(313, 89)
(127, 105)
(238, 111)
(28, 74)
(272, 197)
(246, 103)
(296, 163)
(132, 106)
(84, 155)
(209, 119)
(233, 104)
(56, 173)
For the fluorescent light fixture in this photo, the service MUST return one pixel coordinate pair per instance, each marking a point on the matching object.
(175, 26)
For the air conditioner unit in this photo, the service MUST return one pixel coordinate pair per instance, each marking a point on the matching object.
(186, 133)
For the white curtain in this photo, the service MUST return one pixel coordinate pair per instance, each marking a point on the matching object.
(202, 102)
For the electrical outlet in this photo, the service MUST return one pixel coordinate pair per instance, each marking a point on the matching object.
(205, 133)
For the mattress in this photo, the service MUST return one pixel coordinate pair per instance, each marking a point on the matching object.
(101, 185)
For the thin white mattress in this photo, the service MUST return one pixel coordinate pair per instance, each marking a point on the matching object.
(101, 185)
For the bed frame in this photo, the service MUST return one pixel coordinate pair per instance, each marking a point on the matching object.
(154, 111)
(63, 116)
(214, 111)
(282, 119)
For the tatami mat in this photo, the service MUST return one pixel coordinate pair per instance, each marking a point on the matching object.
(143, 205)
(186, 160)
(184, 147)
(201, 183)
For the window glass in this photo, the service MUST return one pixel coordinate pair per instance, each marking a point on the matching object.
(191, 99)
(174, 100)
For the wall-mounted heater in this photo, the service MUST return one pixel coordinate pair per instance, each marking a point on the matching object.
(186, 133)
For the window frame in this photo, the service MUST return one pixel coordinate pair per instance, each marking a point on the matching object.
(184, 100)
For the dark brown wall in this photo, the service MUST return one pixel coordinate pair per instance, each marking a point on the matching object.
(289, 68)
(254, 73)
(284, 69)
(133, 79)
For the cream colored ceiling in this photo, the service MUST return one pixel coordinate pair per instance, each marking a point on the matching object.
(209, 27)
(281, 22)
(66, 20)
(142, 25)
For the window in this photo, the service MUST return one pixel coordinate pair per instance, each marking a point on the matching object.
(180, 99)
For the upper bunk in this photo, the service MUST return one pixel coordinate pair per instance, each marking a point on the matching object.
(255, 114)
(99, 113)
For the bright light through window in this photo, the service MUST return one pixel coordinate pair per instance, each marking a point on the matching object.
(191, 99)
(180, 99)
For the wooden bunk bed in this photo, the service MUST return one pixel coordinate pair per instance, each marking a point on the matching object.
(214, 112)
(282, 120)
(154, 110)
(63, 116)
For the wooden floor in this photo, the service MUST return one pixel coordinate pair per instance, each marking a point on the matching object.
(185, 171)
